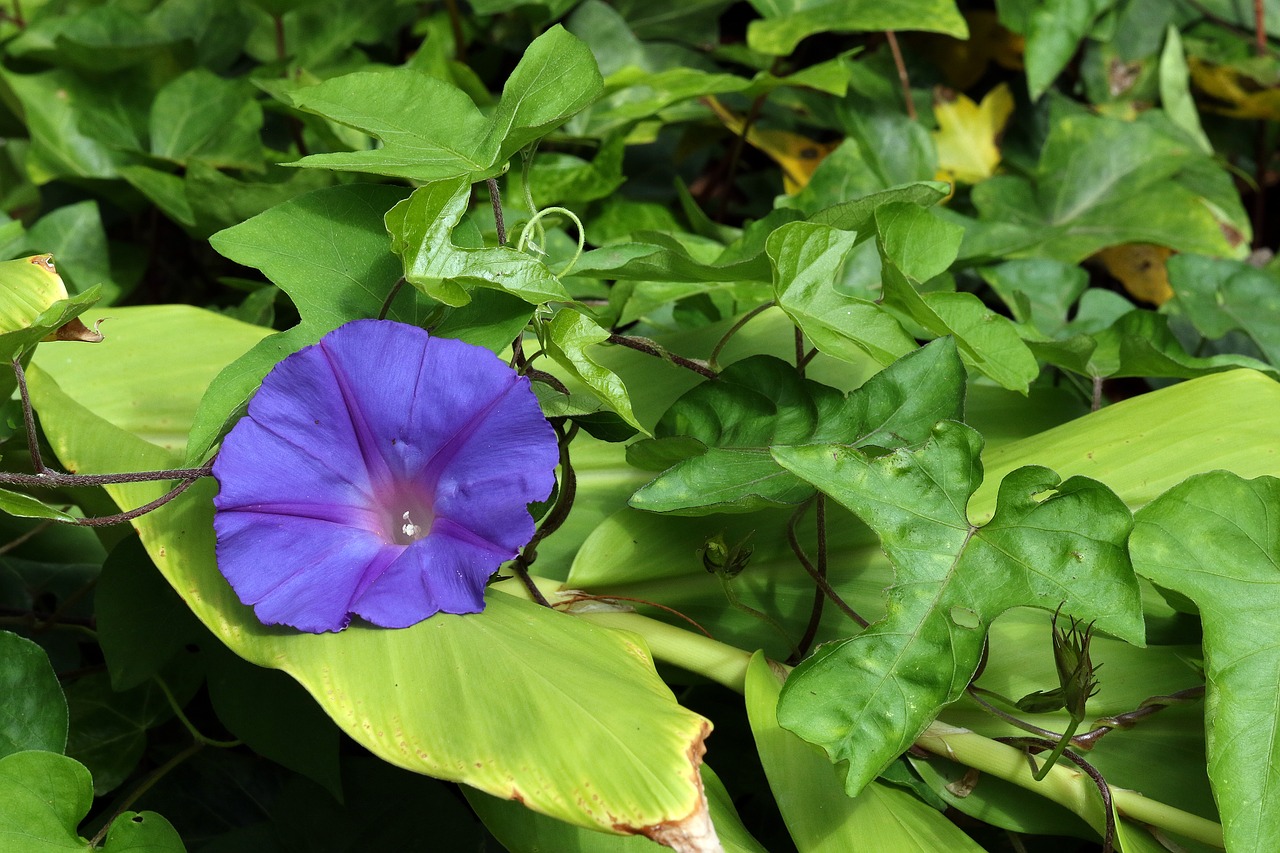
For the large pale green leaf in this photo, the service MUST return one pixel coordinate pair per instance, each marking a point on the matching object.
(609, 732)
(761, 402)
(916, 246)
(807, 259)
(1050, 542)
(1148, 444)
(1215, 540)
(34, 712)
(45, 797)
(523, 831)
(163, 421)
(421, 229)
(821, 817)
(786, 22)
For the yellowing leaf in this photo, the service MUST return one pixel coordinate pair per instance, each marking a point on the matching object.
(1140, 267)
(1234, 92)
(799, 156)
(968, 133)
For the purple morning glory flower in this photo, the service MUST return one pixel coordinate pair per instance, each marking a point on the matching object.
(382, 473)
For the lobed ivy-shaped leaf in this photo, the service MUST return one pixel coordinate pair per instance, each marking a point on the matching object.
(867, 698)
(1139, 343)
(1215, 539)
(431, 130)
(726, 428)
(1219, 296)
(1102, 182)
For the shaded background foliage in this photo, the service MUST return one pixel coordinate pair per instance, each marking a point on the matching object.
(1109, 223)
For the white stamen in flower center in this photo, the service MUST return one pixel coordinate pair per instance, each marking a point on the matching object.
(409, 529)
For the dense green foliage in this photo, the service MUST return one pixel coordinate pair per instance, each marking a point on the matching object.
(913, 364)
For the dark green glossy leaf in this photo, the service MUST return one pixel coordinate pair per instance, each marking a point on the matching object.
(34, 712)
(1054, 31)
(275, 718)
(1038, 291)
(1102, 182)
(200, 115)
(865, 699)
(142, 623)
(761, 403)
(109, 729)
(1220, 296)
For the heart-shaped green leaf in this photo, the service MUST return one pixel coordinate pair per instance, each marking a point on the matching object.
(761, 402)
(866, 698)
(1214, 539)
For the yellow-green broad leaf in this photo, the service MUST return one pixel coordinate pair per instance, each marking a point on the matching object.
(519, 701)
(810, 792)
(1146, 445)
(34, 306)
(523, 831)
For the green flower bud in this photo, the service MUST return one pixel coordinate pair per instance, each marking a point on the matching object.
(727, 561)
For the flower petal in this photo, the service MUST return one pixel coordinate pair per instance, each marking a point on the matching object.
(266, 472)
(445, 572)
(502, 464)
(295, 571)
(381, 472)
